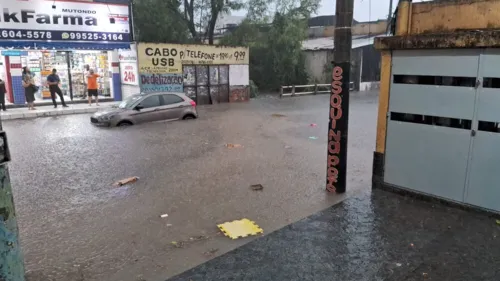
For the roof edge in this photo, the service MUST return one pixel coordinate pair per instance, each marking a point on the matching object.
(469, 39)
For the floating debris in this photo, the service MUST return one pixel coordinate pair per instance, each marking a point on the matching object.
(278, 115)
(179, 244)
(313, 138)
(314, 125)
(233, 145)
(163, 216)
(257, 187)
(498, 222)
(126, 181)
(211, 252)
(240, 228)
(191, 240)
(198, 238)
(398, 264)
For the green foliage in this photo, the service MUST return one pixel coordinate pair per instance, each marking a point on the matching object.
(327, 70)
(179, 21)
(274, 38)
(246, 34)
(159, 21)
(276, 56)
(202, 15)
(254, 90)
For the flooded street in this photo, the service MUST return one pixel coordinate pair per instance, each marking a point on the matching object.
(75, 225)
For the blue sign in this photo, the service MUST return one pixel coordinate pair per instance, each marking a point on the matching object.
(58, 35)
(161, 82)
(14, 53)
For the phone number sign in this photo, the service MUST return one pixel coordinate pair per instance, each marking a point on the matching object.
(20, 34)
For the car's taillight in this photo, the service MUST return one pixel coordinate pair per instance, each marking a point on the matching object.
(193, 104)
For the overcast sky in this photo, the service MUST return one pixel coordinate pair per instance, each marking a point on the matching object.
(362, 12)
(379, 9)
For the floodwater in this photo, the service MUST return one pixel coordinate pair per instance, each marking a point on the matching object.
(75, 225)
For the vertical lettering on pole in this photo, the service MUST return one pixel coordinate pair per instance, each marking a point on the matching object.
(334, 132)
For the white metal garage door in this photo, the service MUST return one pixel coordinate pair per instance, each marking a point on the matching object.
(442, 131)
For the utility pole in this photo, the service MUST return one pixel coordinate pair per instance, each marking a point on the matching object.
(389, 17)
(11, 258)
(339, 99)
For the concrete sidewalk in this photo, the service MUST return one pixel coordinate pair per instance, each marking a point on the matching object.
(377, 236)
(46, 111)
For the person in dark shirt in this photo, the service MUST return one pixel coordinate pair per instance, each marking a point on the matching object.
(53, 81)
(3, 91)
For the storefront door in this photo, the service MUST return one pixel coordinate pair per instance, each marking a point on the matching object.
(41, 64)
(97, 61)
(65, 41)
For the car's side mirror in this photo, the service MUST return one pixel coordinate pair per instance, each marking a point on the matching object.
(139, 107)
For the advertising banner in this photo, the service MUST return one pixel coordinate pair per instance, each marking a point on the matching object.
(37, 20)
(128, 67)
(161, 82)
(169, 58)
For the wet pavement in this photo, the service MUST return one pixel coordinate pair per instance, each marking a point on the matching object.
(371, 236)
(76, 226)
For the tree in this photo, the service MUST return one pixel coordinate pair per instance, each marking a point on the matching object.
(158, 21)
(276, 56)
(200, 16)
(248, 33)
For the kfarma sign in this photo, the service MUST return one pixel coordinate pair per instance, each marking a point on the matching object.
(74, 21)
(31, 17)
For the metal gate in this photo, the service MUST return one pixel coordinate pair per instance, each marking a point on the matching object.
(207, 84)
(483, 188)
(442, 131)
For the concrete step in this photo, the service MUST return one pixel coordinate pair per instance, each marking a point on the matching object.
(47, 111)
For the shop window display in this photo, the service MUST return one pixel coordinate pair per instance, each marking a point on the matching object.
(41, 64)
(70, 67)
(96, 60)
(54, 60)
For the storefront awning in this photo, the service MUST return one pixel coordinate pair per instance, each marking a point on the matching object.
(31, 45)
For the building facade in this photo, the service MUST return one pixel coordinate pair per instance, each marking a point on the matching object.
(438, 125)
(365, 62)
(64, 35)
(365, 59)
(207, 74)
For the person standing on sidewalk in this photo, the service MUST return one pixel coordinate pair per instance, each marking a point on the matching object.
(29, 88)
(92, 87)
(85, 74)
(53, 81)
(3, 91)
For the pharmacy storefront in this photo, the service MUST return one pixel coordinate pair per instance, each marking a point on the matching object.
(65, 35)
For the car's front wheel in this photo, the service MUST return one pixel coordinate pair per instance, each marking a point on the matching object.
(125, 123)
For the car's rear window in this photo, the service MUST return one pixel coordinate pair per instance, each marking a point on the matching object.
(171, 99)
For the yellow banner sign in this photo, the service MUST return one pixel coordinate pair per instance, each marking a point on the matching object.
(169, 58)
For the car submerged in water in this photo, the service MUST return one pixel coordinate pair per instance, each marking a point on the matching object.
(148, 107)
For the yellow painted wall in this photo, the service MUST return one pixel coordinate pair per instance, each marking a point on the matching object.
(430, 17)
(383, 100)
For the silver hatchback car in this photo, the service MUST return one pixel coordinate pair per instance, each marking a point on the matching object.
(147, 108)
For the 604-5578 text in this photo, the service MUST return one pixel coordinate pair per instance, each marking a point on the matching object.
(56, 35)
(25, 34)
